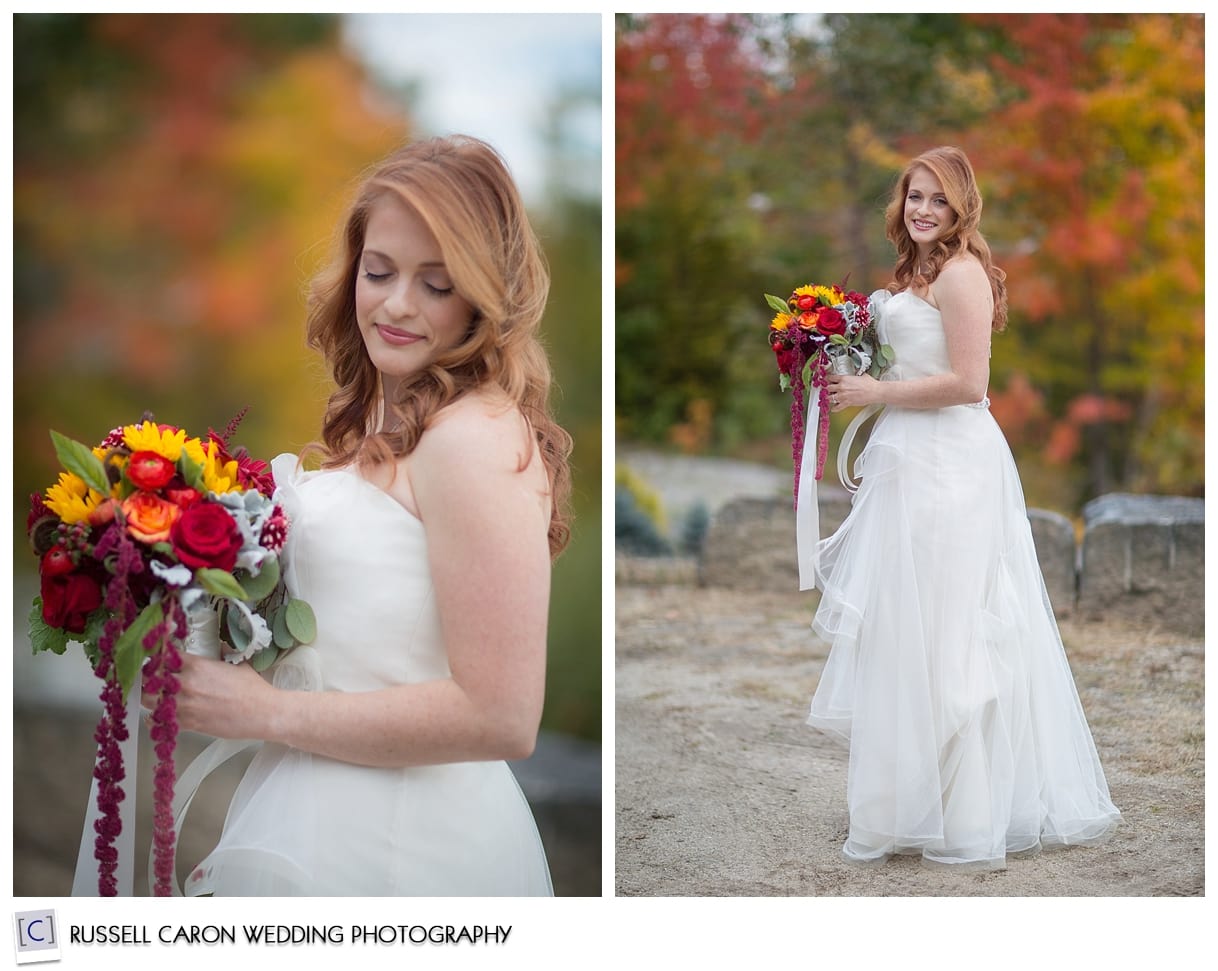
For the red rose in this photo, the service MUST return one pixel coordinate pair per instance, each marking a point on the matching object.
(206, 536)
(150, 471)
(805, 301)
(68, 600)
(831, 321)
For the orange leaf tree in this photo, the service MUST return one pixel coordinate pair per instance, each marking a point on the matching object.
(1096, 169)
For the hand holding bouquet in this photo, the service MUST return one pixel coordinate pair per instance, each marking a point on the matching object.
(816, 330)
(144, 537)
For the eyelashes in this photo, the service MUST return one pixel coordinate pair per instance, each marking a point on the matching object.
(430, 288)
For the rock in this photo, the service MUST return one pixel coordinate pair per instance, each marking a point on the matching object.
(1143, 560)
(750, 544)
(1053, 536)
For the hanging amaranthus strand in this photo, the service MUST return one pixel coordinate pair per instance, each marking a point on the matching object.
(162, 645)
(112, 727)
(795, 366)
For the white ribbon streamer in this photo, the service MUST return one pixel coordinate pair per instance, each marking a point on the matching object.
(807, 513)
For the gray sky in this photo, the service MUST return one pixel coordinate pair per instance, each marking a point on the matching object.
(491, 75)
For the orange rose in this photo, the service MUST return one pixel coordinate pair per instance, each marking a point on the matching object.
(149, 518)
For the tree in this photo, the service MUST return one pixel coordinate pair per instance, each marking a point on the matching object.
(1098, 168)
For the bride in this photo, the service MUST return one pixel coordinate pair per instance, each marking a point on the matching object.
(424, 546)
(946, 676)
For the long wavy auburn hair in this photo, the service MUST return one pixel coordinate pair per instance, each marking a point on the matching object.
(462, 190)
(952, 168)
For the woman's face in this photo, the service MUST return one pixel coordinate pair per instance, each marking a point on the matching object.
(405, 304)
(928, 217)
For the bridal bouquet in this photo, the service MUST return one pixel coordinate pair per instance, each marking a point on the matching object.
(816, 330)
(146, 544)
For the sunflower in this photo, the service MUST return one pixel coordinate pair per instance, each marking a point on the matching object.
(71, 500)
(149, 437)
(219, 476)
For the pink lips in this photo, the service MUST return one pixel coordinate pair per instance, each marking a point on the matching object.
(399, 338)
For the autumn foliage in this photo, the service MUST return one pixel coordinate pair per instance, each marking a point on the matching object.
(755, 149)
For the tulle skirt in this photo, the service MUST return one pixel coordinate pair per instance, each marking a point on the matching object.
(946, 675)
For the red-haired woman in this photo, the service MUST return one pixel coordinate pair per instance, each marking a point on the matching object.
(946, 676)
(424, 545)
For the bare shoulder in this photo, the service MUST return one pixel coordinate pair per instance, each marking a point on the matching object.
(960, 271)
(963, 285)
(481, 431)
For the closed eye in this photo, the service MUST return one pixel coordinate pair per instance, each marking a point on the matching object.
(438, 291)
(376, 277)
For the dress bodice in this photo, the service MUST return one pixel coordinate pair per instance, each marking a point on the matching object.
(914, 329)
(359, 559)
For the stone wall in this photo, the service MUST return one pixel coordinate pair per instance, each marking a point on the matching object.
(1142, 558)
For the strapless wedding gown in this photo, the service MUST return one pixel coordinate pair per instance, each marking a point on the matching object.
(946, 675)
(302, 824)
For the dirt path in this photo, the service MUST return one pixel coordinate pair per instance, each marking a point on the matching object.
(722, 789)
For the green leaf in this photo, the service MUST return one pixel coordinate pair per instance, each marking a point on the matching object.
(80, 460)
(263, 584)
(44, 637)
(129, 651)
(279, 628)
(238, 633)
(839, 339)
(777, 303)
(784, 381)
(806, 377)
(263, 659)
(890, 356)
(220, 583)
(302, 625)
(192, 472)
(166, 548)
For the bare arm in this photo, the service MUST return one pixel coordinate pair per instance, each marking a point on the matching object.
(486, 533)
(965, 301)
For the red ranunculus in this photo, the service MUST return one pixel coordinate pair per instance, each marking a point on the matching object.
(206, 536)
(68, 600)
(150, 471)
(831, 321)
(183, 496)
(805, 301)
(57, 562)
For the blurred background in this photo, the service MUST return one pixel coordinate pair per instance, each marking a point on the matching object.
(755, 153)
(176, 182)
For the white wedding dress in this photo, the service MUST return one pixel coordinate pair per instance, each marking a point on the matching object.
(306, 825)
(946, 675)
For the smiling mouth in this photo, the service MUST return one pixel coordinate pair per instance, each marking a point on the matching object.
(919, 224)
(393, 335)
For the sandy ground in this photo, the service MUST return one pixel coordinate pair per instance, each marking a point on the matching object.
(722, 790)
